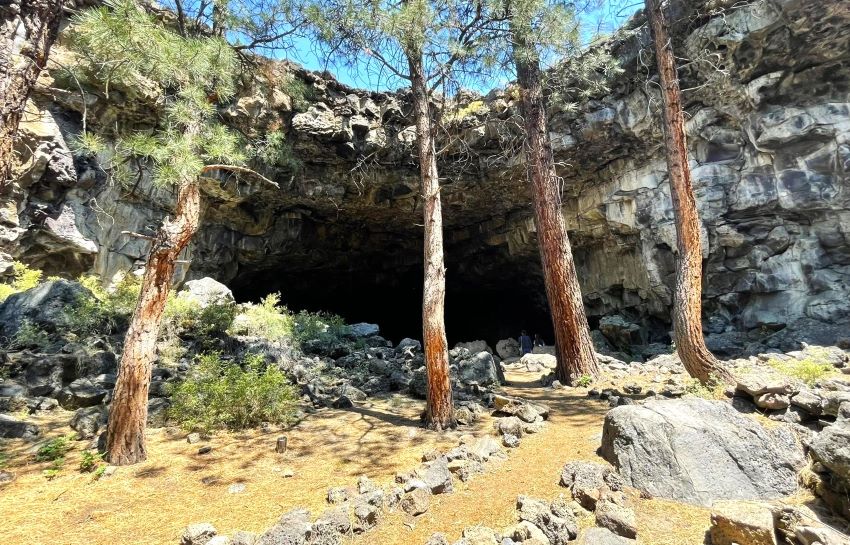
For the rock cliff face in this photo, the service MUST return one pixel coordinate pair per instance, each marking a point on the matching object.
(769, 105)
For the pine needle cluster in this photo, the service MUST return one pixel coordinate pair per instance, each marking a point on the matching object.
(122, 44)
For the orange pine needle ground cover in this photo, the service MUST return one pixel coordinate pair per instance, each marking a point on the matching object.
(151, 503)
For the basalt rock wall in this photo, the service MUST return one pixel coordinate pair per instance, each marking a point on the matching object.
(768, 104)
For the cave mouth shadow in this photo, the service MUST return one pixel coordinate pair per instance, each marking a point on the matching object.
(477, 308)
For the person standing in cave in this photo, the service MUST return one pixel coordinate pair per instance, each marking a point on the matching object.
(538, 340)
(525, 344)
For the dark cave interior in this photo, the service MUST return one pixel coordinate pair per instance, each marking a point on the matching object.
(494, 307)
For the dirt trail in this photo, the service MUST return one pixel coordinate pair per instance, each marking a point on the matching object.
(573, 433)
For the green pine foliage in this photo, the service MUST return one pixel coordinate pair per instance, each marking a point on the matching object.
(120, 44)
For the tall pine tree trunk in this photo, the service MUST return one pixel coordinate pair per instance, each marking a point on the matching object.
(28, 29)
(687, 311)
(573, 344)
(125, 436)
(440, 407)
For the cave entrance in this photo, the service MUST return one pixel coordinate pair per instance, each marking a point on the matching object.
(491, 307)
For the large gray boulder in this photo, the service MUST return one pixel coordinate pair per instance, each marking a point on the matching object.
(700, 451)
(831, 447)
(479, 368)
(206, 291)
(12, 428)
(45, 306)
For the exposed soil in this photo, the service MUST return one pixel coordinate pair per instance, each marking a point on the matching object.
(152, 502)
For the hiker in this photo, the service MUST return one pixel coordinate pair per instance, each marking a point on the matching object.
(538, 340)
(525, 344)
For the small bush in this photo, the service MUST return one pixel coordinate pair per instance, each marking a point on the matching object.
(185, 317)
(810, 369)
(224, 394)
(584, 381)
(53, 450)
(106, 310)
(29, 335)
(268, 320)
(318, 325)
(90, 461)
(24, 278)
(300, 93)
(711, 390)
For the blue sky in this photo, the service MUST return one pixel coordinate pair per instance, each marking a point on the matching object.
(607, 18)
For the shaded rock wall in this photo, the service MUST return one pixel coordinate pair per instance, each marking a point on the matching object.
(768, 102)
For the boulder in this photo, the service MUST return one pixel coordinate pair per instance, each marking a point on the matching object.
(558, 529)
(620, 332)
(588, 481)
(437, 477)
(12, 428)
(83, 392)
(198, 534)
(363, 330)
(45, 306)
(742, 523)
(293, 528)
(508, 348)
(479, 368)
(475, 347)
(831, 447)
(205, 292)
(700, 451)
(89, 421)
(416, 502)
(603, 536)
(618, 518)
(539, 362)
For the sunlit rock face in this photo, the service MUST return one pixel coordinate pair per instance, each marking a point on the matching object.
(768, 104)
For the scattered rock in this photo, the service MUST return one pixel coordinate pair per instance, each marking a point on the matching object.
(603, 536)
(416, 502)
(198, 534)
(741, 523)
(510, 441)
(11, 428)
(618, 518)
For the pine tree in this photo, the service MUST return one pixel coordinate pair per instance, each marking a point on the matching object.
(525, 33)
(28, 29)
(122, 42)
(422, 44)
(687, 305)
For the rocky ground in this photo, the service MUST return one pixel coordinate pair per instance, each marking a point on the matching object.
(538, 462)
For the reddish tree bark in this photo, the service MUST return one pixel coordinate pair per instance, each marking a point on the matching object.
(439, 412)
(573, 344)
(687, 306)
(28, 29)
(125, 436)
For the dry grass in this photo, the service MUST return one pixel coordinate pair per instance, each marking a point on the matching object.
(152, 502)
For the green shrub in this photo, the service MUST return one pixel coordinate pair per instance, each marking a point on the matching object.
(106, 310)
(300, 93)
(713, 389)
(185, 317)
(90, 461)
(268, 320)
(29, 335)
(813, 367)
(24, 278)
(224, 394)
(55, 449)
(584, 381)
(318, 325)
